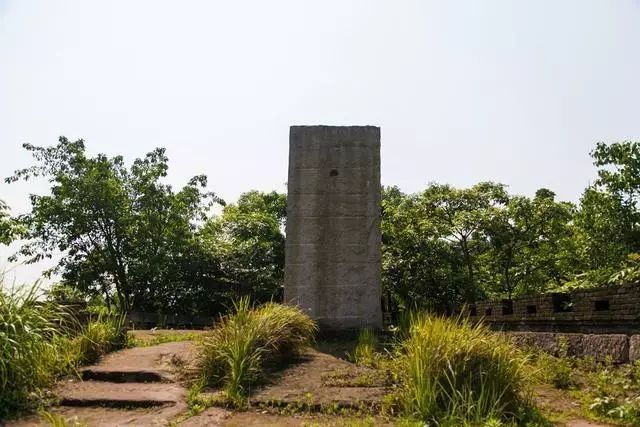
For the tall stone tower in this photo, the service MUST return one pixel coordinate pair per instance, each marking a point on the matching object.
(332, 268)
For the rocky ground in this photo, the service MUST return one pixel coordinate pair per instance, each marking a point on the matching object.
(147, 386)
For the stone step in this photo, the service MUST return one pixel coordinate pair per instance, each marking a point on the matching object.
(119, 395)
(123, 376)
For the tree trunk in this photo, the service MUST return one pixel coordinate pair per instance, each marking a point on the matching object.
(470, 293)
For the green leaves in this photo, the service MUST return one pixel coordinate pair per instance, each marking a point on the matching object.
(248, 240)
(10, 228)
(123, 232)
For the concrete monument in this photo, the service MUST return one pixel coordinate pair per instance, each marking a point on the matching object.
(332, 268)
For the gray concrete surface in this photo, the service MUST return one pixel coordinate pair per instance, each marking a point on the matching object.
(332, 268)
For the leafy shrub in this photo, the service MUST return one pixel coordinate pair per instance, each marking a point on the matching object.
(453, 372)
(625, 410)
(237, 349)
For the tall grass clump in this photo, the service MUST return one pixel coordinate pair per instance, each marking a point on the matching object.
(100, 336)
(41, 340)
(457, 373)
(365, 351)
(243, 342)
(29, 329)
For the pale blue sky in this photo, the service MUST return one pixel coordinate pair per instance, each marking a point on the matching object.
(510, 91)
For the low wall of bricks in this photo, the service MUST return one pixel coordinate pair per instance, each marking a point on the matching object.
(614, 310)
(142, 320)
(601, 323)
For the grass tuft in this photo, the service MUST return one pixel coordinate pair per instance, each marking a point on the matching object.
(365, 351)
(237, 349)
(28, 353)
(456, 373)
(40, 340)
(101, 336)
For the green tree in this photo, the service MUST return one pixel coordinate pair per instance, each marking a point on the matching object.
(530, 244)
(9, 227)
(420, 269)
(122, 232)
(248, 240)
(609, 218)
(461, 216)
(604, 227)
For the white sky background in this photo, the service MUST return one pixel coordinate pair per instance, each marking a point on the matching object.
(464, 91)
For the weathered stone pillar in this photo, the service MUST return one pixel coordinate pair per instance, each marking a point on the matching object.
(332, 268)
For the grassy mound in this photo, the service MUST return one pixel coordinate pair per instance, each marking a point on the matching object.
(235, 352)
(455, 373)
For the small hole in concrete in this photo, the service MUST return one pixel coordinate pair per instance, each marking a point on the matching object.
(334, 172)
(487, 311)
(531, 309)
(602, 305)
(473, 311)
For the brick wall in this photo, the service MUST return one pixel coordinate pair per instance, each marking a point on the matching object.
(614, 310)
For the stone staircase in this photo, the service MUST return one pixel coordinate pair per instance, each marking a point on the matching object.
(137, 386)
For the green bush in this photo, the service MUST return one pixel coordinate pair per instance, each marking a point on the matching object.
(237, 349)
(455, 373)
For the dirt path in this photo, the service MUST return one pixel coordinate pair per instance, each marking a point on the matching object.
(561, 404)
(137, 386)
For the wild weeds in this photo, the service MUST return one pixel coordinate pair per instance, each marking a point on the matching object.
(456, 373)
(40, 340)
(100, 336)
(365, 351)
(238, 348)
(28, 352)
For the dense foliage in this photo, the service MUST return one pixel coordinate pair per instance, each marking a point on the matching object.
(135, 242)
(131, 239)
(9, 227)
(444, 246)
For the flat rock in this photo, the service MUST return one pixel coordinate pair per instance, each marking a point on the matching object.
(118, 395)
(107, 417)
(142, 364)
(305, 382)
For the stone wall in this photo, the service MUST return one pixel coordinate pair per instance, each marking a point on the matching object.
(332, 266)
(602, 311)
(620, 348)
(142, 320)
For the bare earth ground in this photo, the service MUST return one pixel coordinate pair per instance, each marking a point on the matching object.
(145, 386)
(559, 403)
